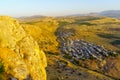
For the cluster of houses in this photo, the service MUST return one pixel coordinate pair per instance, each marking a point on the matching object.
(78, 48)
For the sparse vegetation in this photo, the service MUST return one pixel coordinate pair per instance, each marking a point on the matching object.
(109, 36)
(1, 68)
(100, 31)
(2, 77)
(116, 42)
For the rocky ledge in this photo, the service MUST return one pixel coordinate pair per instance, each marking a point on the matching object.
(20, 53)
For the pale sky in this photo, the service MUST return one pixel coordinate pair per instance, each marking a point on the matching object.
(17, 8)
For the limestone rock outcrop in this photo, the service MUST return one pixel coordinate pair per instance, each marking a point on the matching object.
(19, 52)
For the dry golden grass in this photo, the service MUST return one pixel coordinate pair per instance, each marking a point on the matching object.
(44, 33)
(104, 26)
(98, 30)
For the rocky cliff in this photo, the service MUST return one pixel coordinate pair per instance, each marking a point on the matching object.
(19, 52)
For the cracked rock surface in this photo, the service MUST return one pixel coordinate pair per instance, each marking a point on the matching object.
(19, 52)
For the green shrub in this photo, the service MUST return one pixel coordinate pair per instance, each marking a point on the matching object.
(52, 53)
(1, 71)
(1, 68)
(109, 36)
(67, 56)
(113, 54)
(115, 42)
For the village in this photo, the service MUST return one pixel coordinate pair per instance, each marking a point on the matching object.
(79, 48)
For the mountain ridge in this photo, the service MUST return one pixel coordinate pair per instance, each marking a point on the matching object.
(106, 13)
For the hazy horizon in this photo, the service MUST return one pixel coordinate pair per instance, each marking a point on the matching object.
(18, 8)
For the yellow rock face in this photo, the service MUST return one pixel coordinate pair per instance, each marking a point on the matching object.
(19, 52)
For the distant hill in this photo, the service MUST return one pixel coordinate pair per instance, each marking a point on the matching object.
(30, 18)
(111, 13)
(108, 13)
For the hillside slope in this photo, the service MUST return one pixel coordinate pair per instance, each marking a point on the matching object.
(88, 30)
(22, 48)
(83, 38)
